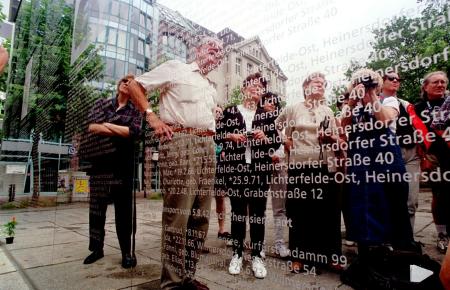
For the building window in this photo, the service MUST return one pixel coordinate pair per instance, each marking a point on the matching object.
(141, 45)
(120, 69)
(249, 68)
(115, 8)
(174, 46)
(142, 19)
(101, 36)
(112, 35)
(139, 70)
(226, 62)
(238, 66)
(122, 39)
(123, 11)
(148, 50)
(171, 41)
(149, 23)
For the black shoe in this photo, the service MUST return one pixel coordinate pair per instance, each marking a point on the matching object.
(224, 236)
(194, 285)
(93, 257)
(129, 261)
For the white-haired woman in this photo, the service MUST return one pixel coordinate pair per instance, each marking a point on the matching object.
(312, 199)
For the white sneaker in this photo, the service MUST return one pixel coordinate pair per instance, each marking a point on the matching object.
(281, 249)
(349, 243)
(259, 268)
(235, 265)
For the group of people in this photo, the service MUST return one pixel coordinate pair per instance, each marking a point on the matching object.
(312, 161)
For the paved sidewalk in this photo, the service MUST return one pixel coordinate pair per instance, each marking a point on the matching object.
(51, 244)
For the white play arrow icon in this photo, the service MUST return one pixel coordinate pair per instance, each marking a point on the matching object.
(418, 274)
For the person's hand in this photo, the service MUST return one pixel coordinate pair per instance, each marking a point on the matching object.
(356, 95)
(218, 113)
(327, 138)
(259, 135)
(288, 145)
(275, 158)
(238, 138)
(162, 130)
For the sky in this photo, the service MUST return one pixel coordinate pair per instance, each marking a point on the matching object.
(303, 36)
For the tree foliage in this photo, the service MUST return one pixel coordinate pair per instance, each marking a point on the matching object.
(405, 41)
(43, 41)
(236, 97)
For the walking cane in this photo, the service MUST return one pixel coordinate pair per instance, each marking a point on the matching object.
(133, 209)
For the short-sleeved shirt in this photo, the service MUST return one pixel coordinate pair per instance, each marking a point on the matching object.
(391, 101)
(187, 97)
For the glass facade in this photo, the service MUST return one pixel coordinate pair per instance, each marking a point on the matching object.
(129, 37)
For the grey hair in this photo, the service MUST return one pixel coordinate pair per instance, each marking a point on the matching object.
(426, 80)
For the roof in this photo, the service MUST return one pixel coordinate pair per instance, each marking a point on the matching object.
(272, 61)
(173, 16)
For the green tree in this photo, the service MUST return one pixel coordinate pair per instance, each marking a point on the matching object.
(411, 44)
(236, 97)
(43, 41)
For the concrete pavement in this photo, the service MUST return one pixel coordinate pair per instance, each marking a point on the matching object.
(51, 244)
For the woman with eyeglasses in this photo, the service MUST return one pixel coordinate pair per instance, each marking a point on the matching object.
(433, 94)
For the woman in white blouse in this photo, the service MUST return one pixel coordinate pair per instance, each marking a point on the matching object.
(312, 201)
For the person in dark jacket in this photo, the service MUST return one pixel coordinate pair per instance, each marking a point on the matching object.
(248, 136)
(114, 125)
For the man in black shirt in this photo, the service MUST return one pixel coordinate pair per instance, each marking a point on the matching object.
(114, 124)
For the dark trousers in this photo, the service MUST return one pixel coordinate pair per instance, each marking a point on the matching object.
(315, 234)
(107, 188)
(248, 197)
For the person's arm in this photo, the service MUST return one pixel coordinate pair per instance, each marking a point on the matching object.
(4, 57)
(444, 275)
(117, 130)
(99, 129)
(281, 120)
(160, 77)
(383, 113)
(109, 129)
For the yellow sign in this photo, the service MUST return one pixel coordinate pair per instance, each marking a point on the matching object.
(81, 186)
